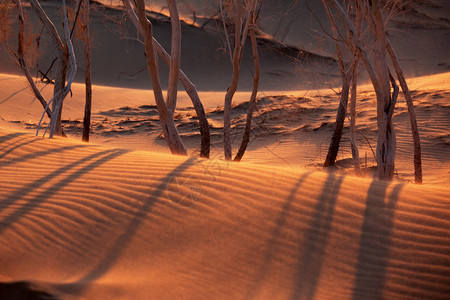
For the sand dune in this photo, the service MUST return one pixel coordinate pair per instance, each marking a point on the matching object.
(289, 128)
(86, 222)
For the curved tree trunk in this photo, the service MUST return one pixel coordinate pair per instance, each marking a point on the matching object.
(22, 61)
(165, 115)
(412, 114)
(386, 143)
(340, 118)
(251, 105)
(333, 149)
(189, 87)
(61, 71)
(232, 89)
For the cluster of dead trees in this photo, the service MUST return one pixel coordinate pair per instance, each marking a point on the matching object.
(359, 31)
(358, 28)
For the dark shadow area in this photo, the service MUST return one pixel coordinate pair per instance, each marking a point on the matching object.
(40, 154)
(15, 145)
(373, 255)
(10, 136)
(316, 240)
(22, 290)
(108, 261)
(97, 160)
(273, 242)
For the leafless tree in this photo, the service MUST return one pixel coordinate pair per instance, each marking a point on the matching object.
(170, 131)
(348, 65)
(66, 60)
(187, 84)
(236, 13)
(376, 64)
(252, 102)
(87, 73)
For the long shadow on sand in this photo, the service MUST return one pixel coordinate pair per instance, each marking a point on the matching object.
(373, 256)
(316, 240)
(273, 242)
(96, 160)
(115, 251)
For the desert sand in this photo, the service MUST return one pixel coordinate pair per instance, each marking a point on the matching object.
(121, 218)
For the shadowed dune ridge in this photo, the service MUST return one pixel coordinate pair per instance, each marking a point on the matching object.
(87, 222)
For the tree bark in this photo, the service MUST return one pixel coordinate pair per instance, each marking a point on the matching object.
(165, 115)
(87, 72)
(175, 59)
(340, 118)
(353, 144)
(232, 89)
(412, 114)
(333, 149)
(386, 144)
(189, 87)
(251, 105)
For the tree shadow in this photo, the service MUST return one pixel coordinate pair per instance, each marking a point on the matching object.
(373, 255)
(15, 145)
(273, 242)
(10, 136)
(39, 154)
(19, 194)
(121, 243)
(13, 94)
(316, 240)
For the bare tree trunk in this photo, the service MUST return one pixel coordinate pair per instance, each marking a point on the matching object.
(87, 72)
(232, 89)
(22, 61)
(333, 149)
(386, 144)
(248, 123)
(340, 118)
(189, 87)
(165, 115)
(412, 114)
(353, 145)
(175, 59)
(241, 20)
(58, 97)
(60, 82)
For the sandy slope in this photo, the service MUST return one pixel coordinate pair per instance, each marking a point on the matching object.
(87, 222)
(289, 128)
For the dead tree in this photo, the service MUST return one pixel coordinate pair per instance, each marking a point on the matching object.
(378, 71)
(412, 115)
(87, 73)
(238, 13)
(256, 76)
(349, 78)
(66, 56)
(170, 131)
(408, 98)
(333, 149)
(353, 93)
(189, 87)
